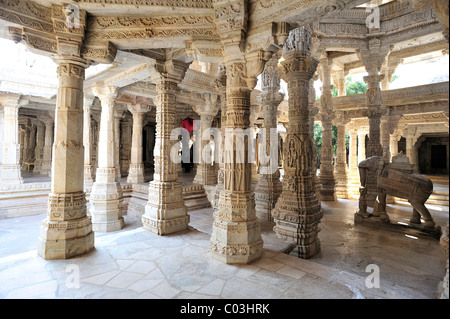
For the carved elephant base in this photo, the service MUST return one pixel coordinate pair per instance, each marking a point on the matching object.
(393, 223)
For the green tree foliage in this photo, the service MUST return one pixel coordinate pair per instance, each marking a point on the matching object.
(355, 87)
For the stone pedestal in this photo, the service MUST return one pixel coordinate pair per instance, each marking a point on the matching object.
(106, 195)
(67, 230)
(297, 213)
(165, 212)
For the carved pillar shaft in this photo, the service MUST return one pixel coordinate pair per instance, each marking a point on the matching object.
(361, 146)
(10, 167)
(373, 96)
(47, 152)
(67, 230)
(269, 186)
(236, 236)
(298, 212)
(165, 212)
(40, 138)
(221, 88)
(326, 176)
(205, 174)
(136, 171)
(106, 195)
(341, 164)
(117, 118)
(87, 132)
(393, 144)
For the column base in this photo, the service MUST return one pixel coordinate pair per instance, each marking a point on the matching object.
(165, 212)
(88, 176)
(341, 185)
(236, 242)
(267, 192)
(297, 215)
(67, 231)
(136, 174)
(236, 236)
(46, 168)
(106, 207)
(205, 175)
(10, 174)
(327, 189)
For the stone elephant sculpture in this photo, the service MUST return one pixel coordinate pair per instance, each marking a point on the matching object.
(414, 187)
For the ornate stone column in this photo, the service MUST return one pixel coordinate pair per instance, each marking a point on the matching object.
(236, 235)
(298, 212)
(87, 132)
(341, 163)
(353, 163)
(136, 172)
(48, 142)
(326, 176)
(269, 186)
(10, 167)
(117, 118)
(67, 230)
(361, 146)
(221, 88)
(206, 174)
(106, 194)
(165, 212)
(313, 111)
(39, 150)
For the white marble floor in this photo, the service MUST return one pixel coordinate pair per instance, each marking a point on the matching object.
(134, 263)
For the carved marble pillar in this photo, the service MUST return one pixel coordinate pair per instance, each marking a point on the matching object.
(353, 176)
(136, 172)
(326, 176)
(221, 88)
(165, 212)
(32, 141)
(236, 235)
(393, 144)
(67, 230)
(39, 150)
(341, 176)
(313, 111)
(106, 195)
(87, 132)
(269, 186)
(297, 213)
(118, 146)
(206, 174)
(361, 146)
(10, 167)
(47, 152)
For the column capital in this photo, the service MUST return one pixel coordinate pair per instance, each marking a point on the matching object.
(138, 108)
(106, 94)
(169, 70)
(210, 108)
